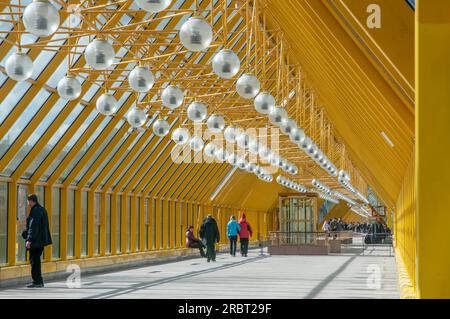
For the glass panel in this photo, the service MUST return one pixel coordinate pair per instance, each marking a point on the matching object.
(138, 222)
(39, 190)
(108, 224)
(56, 212)
(3, 223)
(154, 224)
(11, 100)
(84, 222)
(52, 142)
(21, 221)
(119, 222)
(70, 221)
(97, 199)
(35, 136)
(146, 220)
(128, 221)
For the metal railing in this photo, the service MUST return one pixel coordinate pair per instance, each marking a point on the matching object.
(279, 238)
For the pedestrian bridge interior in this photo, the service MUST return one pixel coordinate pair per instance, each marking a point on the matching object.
(115, 144)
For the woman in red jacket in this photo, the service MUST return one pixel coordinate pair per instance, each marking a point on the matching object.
(192, 242)
(244, 234)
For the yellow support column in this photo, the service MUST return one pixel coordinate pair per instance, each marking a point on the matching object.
(433, 147)
(78, 221)
(133, 213)
(151, 222)
(165, 223)
(91, 224)
(123, 224)
(142, 223)
(178, 226)
(114, 222)
(102, 234)
(63, 225)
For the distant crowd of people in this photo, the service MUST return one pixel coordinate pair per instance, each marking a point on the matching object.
(209, 236)
(337, 225)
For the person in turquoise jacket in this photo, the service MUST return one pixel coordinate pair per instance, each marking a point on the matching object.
(233, 229)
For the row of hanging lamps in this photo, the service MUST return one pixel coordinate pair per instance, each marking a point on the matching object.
(153, 6)
(197, 112)
(41, 18)
(172, 97)
(141, 79)
(19, 66)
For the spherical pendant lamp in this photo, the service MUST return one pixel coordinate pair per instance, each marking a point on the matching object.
(221, 155)
(196, 34)
(136, 117)
(197, 112)
(19, 66)
(106, 104)
(231, 133)
(243, 141)
(41, 18)
(253, 146)
(297, 135)
(99, 54)
(232, 159)
(196, 144)
(172, 97)
(180, 136)
(141, 79)
(210, 150)
(242, 163)
(161, 128)
(248, 86)
(69, 88)
(288, 125)
(153, 5)
(226, 64)
(277, 115)
(216, 123)
(264, 102)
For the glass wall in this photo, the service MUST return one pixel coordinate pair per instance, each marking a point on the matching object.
(84, 222)
(108, 224)
(21, 222)
(56, 213)
(97, 199)
(70, 221)
(118, 223)
(297, 216)
(3, 223)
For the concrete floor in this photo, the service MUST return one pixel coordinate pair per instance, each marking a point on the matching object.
(265, 277)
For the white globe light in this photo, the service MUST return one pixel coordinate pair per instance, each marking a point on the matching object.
(226, 64)
(210, 150)
(274, 159)
(180, 136)
(106, 104)
(19, 66)
(264, 153)
(196, 34)
(99, 54)
(161, 128)
(264, 102)
(253, 146)
(153, 5)
(293, 170)
(196, 144)
(242, 163)
(313, 150)
(277, 115)
(69, 88)
(216, 123)
(248, 86)
(288, 125)
(141, 79)
(306, 143)
(297, 135)
(41, 18)
(197, 112)
(232, 159)
(251, 167)
(243, 141)
(221, 155)
(136, 117)
(172, 97)
(280, 179)
(231, 133)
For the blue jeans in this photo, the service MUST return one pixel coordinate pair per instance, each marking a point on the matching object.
(233, 244)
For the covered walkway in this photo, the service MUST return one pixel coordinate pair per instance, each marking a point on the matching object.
(237, 278)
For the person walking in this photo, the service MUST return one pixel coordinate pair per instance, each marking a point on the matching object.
(192, 242)
(233, 229)
(209, 233)
(326, 229)
(244, 234)
(37, 236)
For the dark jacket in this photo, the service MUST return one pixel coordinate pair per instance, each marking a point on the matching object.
(209, 231)
(38, 229)
(190, 239)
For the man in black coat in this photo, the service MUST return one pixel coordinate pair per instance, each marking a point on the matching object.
(37, 236)
(209, 233)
